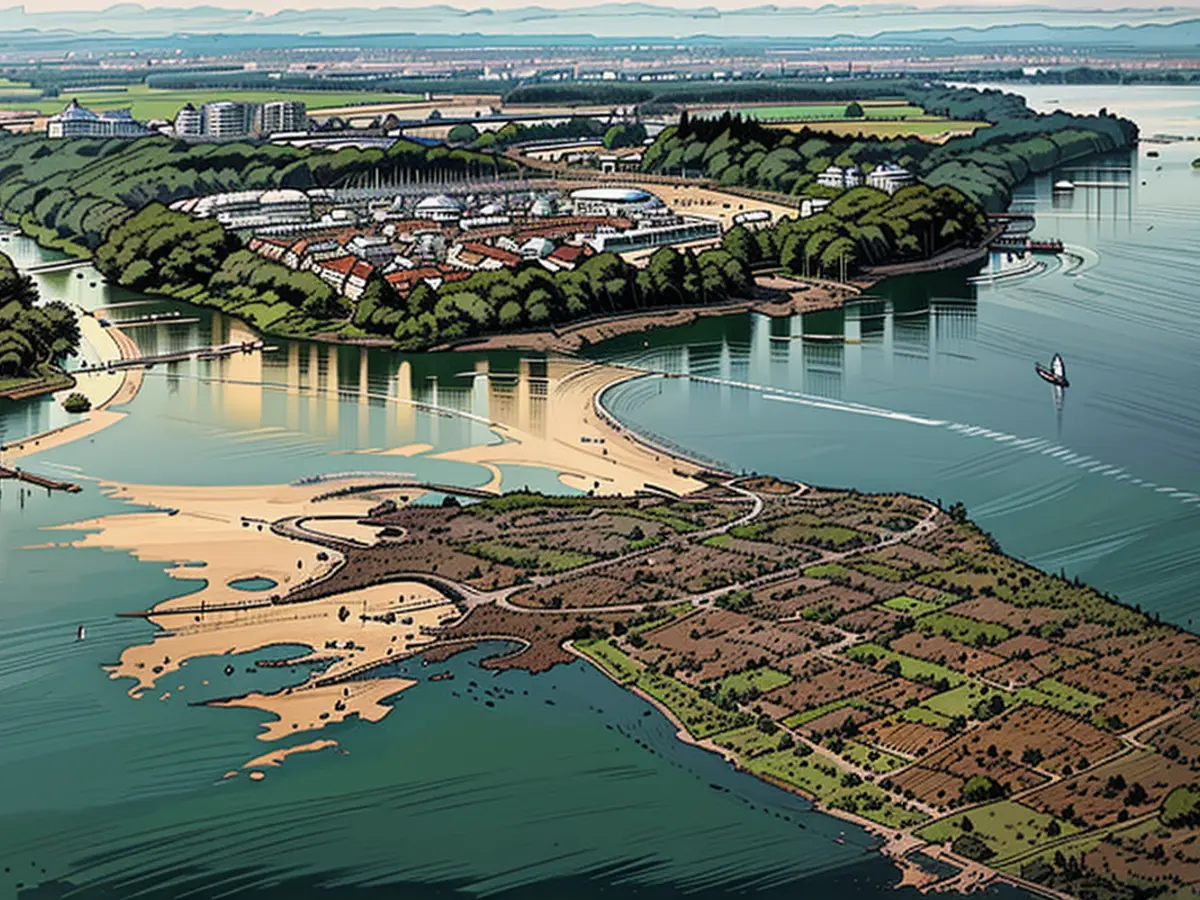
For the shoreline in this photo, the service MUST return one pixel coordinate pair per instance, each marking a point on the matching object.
(104, 388)
(586, 383)
(777, 301)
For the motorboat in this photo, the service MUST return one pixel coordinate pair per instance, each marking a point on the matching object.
(1064, 185)
(1056, 374)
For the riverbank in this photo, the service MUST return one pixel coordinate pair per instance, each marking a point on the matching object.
(778, 296)
(104, 388)
(49, 380)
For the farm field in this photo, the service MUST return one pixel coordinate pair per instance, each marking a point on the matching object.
(152, 103)
(818, 111)
(930, 129)
(896, 676)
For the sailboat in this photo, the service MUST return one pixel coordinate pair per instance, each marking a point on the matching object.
(1056, 374)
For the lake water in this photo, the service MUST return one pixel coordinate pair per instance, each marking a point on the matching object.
(577, 788)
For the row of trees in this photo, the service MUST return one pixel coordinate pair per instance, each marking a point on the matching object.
(531, 297)
(31, 335)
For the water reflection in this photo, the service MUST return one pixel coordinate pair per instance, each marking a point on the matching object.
(908, 324)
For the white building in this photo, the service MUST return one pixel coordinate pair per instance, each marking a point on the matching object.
(614, 202)
(77, 121)
(810, 206)
(376, 250)
(281, 116)
(840, 178)
(225, 119)
(890, 177)
(537, 248)
(439, 208)
(647, 234)
(250, 209)
(189, 122)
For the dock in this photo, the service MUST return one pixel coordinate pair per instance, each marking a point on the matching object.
(147, 362)
(39, 481)
(61, 265)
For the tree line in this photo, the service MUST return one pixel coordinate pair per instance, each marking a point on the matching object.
(530, 297)
(68, 193)
(864, 227)
(986, 166)
(31, 335)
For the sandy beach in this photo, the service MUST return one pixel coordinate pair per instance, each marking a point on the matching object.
(564, 430)
(103, 388)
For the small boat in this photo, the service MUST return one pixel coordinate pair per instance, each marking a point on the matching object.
(1153, 154)
(1056, 374)
(81, 633)
(840, 839)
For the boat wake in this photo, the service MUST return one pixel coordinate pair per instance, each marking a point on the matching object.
(1034, 445)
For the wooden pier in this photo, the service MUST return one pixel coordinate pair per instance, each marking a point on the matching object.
(39, 481)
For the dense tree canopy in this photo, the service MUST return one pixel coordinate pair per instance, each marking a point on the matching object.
(985, 166)
(31, 334)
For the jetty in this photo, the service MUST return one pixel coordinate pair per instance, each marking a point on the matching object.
(39, 481)
(60, 265)
(147, 362)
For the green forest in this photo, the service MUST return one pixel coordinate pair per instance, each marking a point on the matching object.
(33, 339)
(864, 227)
(985, 166)
(68, 194)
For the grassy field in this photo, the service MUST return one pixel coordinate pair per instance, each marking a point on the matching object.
(961, 701)
(150, 103)
(823, 780)
(879, 761)
(529, 557)
(748, 742)
(765, 679)
(615, 662)
(1007, 827)
(828, 570)
(910, 606)
(700, 717)
(931, 129)
(971, 632)
(1053, 693)
(924, 716)
(879, 570)
(910, 667)
(818, 111)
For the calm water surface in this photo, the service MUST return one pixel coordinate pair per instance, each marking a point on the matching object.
(569, 786)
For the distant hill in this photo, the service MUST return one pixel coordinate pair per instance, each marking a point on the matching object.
(134, 25)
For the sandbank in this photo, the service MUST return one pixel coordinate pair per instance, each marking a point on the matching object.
(561, 428)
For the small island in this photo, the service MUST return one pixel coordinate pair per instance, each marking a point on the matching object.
(34, 338)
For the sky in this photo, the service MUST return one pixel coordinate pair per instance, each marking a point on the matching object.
(268, 7)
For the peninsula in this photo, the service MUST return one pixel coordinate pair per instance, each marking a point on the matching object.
(878, 654)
